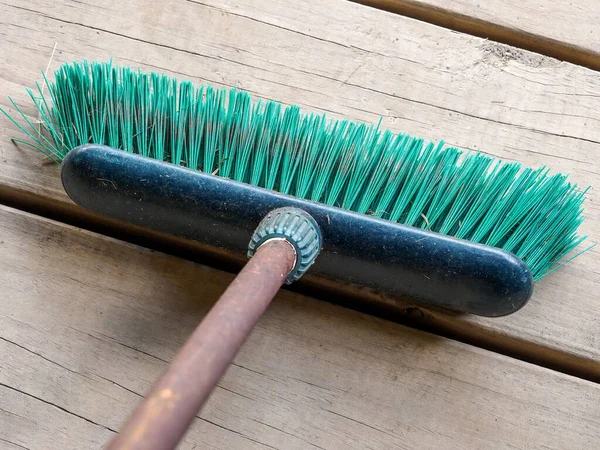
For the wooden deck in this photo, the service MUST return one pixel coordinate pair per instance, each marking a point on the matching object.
(88, 321)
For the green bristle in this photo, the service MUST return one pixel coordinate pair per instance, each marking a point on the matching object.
(355, 166)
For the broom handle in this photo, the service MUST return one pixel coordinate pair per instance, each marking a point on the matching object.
(163, 417)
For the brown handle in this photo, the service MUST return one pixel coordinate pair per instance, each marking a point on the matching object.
(163, 417)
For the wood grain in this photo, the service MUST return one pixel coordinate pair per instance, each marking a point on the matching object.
(354, 62)
(563, 30)
(89, 322)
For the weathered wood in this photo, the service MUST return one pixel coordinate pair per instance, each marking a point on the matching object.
(89, 322)
(360, 63)
(563, 30)
(29, 422)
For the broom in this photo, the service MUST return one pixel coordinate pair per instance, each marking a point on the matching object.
(390, 212)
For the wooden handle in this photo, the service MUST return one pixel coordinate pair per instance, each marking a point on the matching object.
(163, 417)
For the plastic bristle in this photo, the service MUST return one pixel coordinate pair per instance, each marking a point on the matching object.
(354, 166)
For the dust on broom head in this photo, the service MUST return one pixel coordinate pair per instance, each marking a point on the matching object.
(351, 165)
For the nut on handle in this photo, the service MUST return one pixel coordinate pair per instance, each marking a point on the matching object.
(298, 228)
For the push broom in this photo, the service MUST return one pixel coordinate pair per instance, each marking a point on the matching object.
(380, 211)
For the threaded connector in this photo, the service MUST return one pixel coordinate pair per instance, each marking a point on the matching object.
(298, 228)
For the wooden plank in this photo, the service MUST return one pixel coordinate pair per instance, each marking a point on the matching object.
(566, 31)
(360, 63)
(29, 422)
(91, 321)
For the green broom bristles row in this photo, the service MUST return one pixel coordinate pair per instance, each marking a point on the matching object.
(355, 166)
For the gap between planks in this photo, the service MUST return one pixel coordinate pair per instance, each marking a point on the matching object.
(429, 319)
(503, 34)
